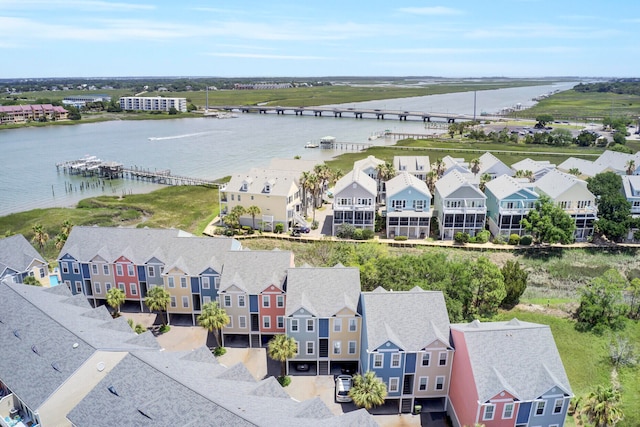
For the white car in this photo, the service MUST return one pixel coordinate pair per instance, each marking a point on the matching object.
(343, 385)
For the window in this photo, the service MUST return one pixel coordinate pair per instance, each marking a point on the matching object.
(230, 324)
(337, 347)
(68, 283)
(419, 204)
(310, 347)
(488, 412)
(395, 360)
(266, 322)
(121, 286)
(394, 385)
(94, 269)
(265, 301)
(76, 268)
(423, 383)
(398, 204)
(97, 287)
(378, 360)
(107, 286)
(439, 383)
(558, 406)
(183, 282)
(337, 325)
(442, 358)
(130, 270)
(294, 325)
(185, 302)
(206, 299)
(133, 288)
(173, 302)
(309, 325)
(242, 322)
(540, 408)
(426, 357)
(280, 322)
(227, 300)
(507, 412)
(105, 269)
(297, 348)
(280, 301)
(151, 271)
(353, 325)
(172, 283)
(352, 347)
(216, 282)
(119, 270)
(65, 267)
(241, 301)
(205, 283)
(79, 287)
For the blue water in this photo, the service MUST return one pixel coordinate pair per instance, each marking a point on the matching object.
(53, 281)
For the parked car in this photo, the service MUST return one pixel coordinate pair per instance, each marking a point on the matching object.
(302, 367)
(301, 229)
(343, 385)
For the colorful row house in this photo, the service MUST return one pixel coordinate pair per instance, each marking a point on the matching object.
(509, 200)
(252, 292)
(18, 259)
(405, 342)
(408, 209)
(95, 259)
(322, 316)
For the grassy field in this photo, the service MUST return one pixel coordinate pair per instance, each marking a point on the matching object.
(569, 105)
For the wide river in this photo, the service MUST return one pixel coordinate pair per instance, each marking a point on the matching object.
(203, 147)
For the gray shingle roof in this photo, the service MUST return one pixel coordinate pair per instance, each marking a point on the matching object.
(358, 177)
(323, 291)
(554, 183)
(412, 164)
(253, 271)
(411, 319)
(504, 186)
(17, 254)
(455, 180)
(281, 181)
(405, 180)
(516, 356)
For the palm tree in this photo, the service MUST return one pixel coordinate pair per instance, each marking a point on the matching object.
(40, 237)
(213, 318)
(432, 177)
(575, 171)
(324, 176)
(312, 184)
(525, 174)
(602, 407)
(483, 181)
(368, 390)
(281, 348)
(233, 218)
(60, 240)
(439, 167)
(253, 211)
(631, 166)
(157, 300)
(115, 298)
(304, 186)
(66, 228)
(475, 165)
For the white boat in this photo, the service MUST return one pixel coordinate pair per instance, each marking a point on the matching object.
(311, 145)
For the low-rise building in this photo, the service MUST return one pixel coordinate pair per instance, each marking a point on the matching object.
(508, 202)
(33, 112)
(459, 205)
(408, 209)
(153, 103)
(354, 201)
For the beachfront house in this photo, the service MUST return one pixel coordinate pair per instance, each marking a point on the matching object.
(507, 374)
(508, 201)
(417, 166)
(538, 168)
(252, 292)
(369, 166)
(354, 201)
(459, 205)
(492, 166)
(408, 208)
(322, 316)
(405, 342)
(18, 259)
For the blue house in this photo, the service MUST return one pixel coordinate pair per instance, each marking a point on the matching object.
(508, 201)
(408, 207)
(18, 259)
(405, 341)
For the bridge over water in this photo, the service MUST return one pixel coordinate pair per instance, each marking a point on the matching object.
(358, 113)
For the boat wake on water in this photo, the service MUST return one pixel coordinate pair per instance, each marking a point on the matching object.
(186, 135)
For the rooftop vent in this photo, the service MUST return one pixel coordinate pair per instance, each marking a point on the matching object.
(56, 367)
(16, 333)
(34, 348)
(112, 390)
(143, 414)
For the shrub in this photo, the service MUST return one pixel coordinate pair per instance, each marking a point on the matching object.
(400, 238)
(218, 231)
(345, 231)
(483, 236)
(284, 381)
(357, 234)
(279, 228)
(229, 232)
(367, 234)
(246, 228)
(498, 240)
(164, 329)
(314, 225)
(526, 240)
(514, 239)
(461, 237)
(219, 351)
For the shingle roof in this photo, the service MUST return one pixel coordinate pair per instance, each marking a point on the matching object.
(411, 319)
(554, 183)
(489, 162)
(586, 167)
(412, 164)
(454, 180)
(359, 177)
(405, 180)
(504, 186)
(631, 185)
(517, 356)
(17, 254)
(323, 291)
(367, 163)
(253, 271)
(281, 181)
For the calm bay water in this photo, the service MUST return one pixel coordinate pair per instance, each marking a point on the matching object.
(199, 147)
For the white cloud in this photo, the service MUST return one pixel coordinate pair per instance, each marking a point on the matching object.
(267, 56)
(85, 5)
(434, 10)
(541, 31)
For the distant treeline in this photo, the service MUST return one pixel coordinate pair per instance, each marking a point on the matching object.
(621, 87)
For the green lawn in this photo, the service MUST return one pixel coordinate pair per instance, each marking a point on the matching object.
(585, 358)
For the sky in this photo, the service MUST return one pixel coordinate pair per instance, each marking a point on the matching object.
(314, 38)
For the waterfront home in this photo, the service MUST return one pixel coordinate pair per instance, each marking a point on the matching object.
(354, 201)
(322, 316)
(405, 341)
(18, 259)
(417, 166)
(66, 364)
(459, 205)
(252, 292)
(583, 168)
(32, 112)
(408, 209)
(538, 168)
(450, 164)
(508, 201)
(95, 259)
(620, 163)
(369, 166)
(492, 166)
(573, 196)
(276, 193)
(507, 374)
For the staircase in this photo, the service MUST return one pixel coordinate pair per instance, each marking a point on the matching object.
(299, 219)
(255, 341)
(323, 367)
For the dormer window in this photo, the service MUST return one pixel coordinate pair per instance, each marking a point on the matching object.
(245, 186)
(267, 188)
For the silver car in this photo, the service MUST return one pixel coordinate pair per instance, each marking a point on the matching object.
(343, 385)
